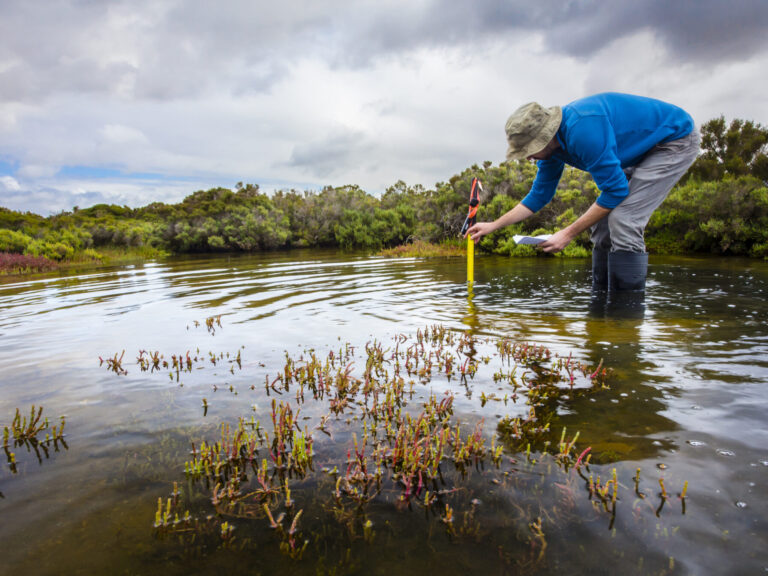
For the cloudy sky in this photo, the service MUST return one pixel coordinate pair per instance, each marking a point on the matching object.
(133, 101)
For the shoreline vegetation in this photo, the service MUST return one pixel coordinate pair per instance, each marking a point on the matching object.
(423, 249)
(719, 207)
(14, 264)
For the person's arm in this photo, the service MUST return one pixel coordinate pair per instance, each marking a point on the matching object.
(562, 238)
(517, 214)
(542, 191)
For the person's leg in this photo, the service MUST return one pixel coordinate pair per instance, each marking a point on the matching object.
(627, 271)
(599, 268)
(650, 184)
(600, 235)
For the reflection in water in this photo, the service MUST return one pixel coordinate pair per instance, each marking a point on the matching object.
(617, 304)
(470, 318)
(625, 424)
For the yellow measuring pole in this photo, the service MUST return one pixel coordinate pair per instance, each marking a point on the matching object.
(470, 260)
(474, 202)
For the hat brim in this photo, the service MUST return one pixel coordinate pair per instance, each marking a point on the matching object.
(541, 140)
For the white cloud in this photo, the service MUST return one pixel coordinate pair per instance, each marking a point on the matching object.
(49, 197)
(9, 183)
(119, 134)
(34, 171)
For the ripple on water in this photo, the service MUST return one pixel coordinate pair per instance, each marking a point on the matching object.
(724, 452)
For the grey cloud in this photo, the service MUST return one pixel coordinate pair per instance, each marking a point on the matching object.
(710, 29)
(57, 47)
(338, 153)
(167, 50)
(23, 84)
(154, 50)
(244, 46)
(691, 30)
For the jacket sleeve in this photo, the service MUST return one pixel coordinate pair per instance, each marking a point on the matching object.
(593, 142)
(544, 185)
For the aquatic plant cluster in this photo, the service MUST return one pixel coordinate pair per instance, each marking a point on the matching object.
(404, 447)
(26, 432)
(149, 360)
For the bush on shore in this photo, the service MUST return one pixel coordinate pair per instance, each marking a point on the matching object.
(21, 263)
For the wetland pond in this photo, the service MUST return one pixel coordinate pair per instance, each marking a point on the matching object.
(327, 413)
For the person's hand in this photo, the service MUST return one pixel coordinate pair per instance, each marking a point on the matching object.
(557, 242)
(479, 229)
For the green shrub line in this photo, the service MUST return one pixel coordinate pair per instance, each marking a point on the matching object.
(720, 207)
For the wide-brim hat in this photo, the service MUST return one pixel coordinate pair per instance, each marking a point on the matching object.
(530, 128)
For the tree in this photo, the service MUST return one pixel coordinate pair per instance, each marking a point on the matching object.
(738, 149)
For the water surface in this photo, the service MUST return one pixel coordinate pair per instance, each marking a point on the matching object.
(687, 402)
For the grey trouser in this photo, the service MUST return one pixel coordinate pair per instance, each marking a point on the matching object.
(649, 183)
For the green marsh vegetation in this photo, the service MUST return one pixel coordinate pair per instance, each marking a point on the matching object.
(720, 207)
(26, 433)
(360, 439)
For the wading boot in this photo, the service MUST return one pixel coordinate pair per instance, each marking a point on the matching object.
(627, 271)
(599, 269)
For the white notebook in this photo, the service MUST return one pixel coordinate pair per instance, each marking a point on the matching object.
(519, 239)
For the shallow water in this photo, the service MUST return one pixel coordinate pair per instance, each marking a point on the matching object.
(687, 402)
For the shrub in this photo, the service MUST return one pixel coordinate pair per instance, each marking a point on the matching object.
(216, 242)
(574, 250)
(92, 254)
(53, 251)
(13, 241)
(20, 263)
(730, 216)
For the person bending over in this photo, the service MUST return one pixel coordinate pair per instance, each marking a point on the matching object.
(635, 148)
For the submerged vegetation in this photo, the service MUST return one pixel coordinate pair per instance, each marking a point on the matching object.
(721, 206)
(27, 433)
(352, 439)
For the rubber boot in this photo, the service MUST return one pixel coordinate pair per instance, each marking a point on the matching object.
(599, 269)
(627, 271)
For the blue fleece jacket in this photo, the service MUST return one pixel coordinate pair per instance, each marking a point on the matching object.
(603, 134)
